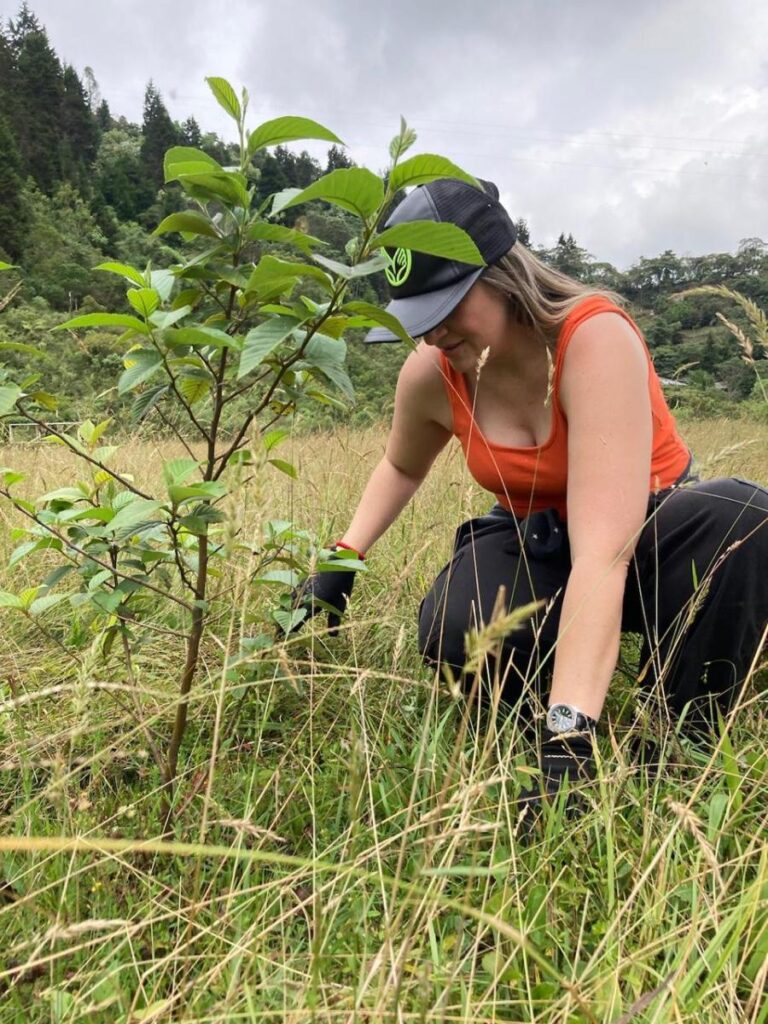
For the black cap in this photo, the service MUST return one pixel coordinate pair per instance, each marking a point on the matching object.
(426, 288)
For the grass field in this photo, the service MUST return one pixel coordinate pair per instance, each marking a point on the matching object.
(347, 845)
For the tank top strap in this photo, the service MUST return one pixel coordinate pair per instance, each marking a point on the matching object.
(458, 396)
(591, 306)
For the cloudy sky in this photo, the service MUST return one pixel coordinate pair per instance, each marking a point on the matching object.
(637, 125)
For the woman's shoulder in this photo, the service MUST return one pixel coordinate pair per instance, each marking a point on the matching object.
(596, 317)
(589, 308)
(605, 349)
(420, 385)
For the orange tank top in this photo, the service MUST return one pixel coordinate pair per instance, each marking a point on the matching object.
(530, 479)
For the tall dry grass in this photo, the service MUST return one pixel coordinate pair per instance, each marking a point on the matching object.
(348, 846)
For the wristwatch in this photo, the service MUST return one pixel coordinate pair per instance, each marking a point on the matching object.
(566, 718)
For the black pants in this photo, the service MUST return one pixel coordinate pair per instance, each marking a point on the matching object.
(697, 591)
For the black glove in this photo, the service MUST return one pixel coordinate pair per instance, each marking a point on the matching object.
(563, 756)
(328, 589)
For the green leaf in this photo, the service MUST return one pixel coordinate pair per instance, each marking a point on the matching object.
(281, 199)
(274, 437)
(6, 266)
(19, 346)
(186, 160)
(194, 384)
(138, 511)
(10, 600)
(89, 433)
(66, 494)
(202, 336)
(165, 320)
(104, 320)
(205, 489)
(146, 401)
(10, 476)
(377, 316)
(226, 97)
(140, 365)
(189, 223)
(288, 577)
(352, 188)
(228, 186)
(419, 170)
(263, 231)
(42, 604)
(328, 355)
(163, 282)
(285, 467)
(33, 545)
(124, 270)
(105, 453)
(288, 129)
(402, 141)
(144, 300)
(47, 401)
(9, 396)
(176, 471)
(272, 274)
(372, 266)
(288, 621)
(434, 237)
(263, 340)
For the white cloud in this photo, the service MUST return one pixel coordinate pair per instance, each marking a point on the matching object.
(638, 127)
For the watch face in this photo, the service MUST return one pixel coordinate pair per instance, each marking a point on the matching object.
(561, 718)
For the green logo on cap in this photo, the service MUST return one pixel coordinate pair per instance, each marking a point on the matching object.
(398, 266)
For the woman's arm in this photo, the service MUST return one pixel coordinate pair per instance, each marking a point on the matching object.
(604, 393)
(418, 434)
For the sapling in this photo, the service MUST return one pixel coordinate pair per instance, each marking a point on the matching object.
(230, 322)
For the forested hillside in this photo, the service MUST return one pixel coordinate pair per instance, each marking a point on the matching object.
(80, 184)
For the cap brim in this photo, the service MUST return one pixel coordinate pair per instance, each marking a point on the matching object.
(422, 313)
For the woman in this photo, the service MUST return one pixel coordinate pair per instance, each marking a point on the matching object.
(549, 386)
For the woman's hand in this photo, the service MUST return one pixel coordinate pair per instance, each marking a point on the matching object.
(562, 756)
(329, 589)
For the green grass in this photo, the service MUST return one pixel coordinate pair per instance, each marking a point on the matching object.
(347, 846)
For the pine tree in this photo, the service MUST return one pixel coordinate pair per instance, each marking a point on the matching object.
(7, 77)
(191, 134)
(79, 129)
(40, 91)
(104, 117)
(337, 158)
(523, 232)
(12, 212)
(159, 133)
(24, 25)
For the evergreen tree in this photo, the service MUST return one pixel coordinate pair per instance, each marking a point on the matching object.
(159, 134)
(7, 78)
(24, 25)
(40, 92)
(523, 232)
(569, 258)
(12, 212)
(103, 117)
(79, 129)
(337, 158)
(191, 134)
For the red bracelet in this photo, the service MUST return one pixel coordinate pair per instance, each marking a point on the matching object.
(348, 547)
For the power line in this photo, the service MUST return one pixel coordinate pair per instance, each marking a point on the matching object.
(496, 128)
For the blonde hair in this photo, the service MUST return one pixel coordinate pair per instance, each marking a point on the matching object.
(541, 296)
